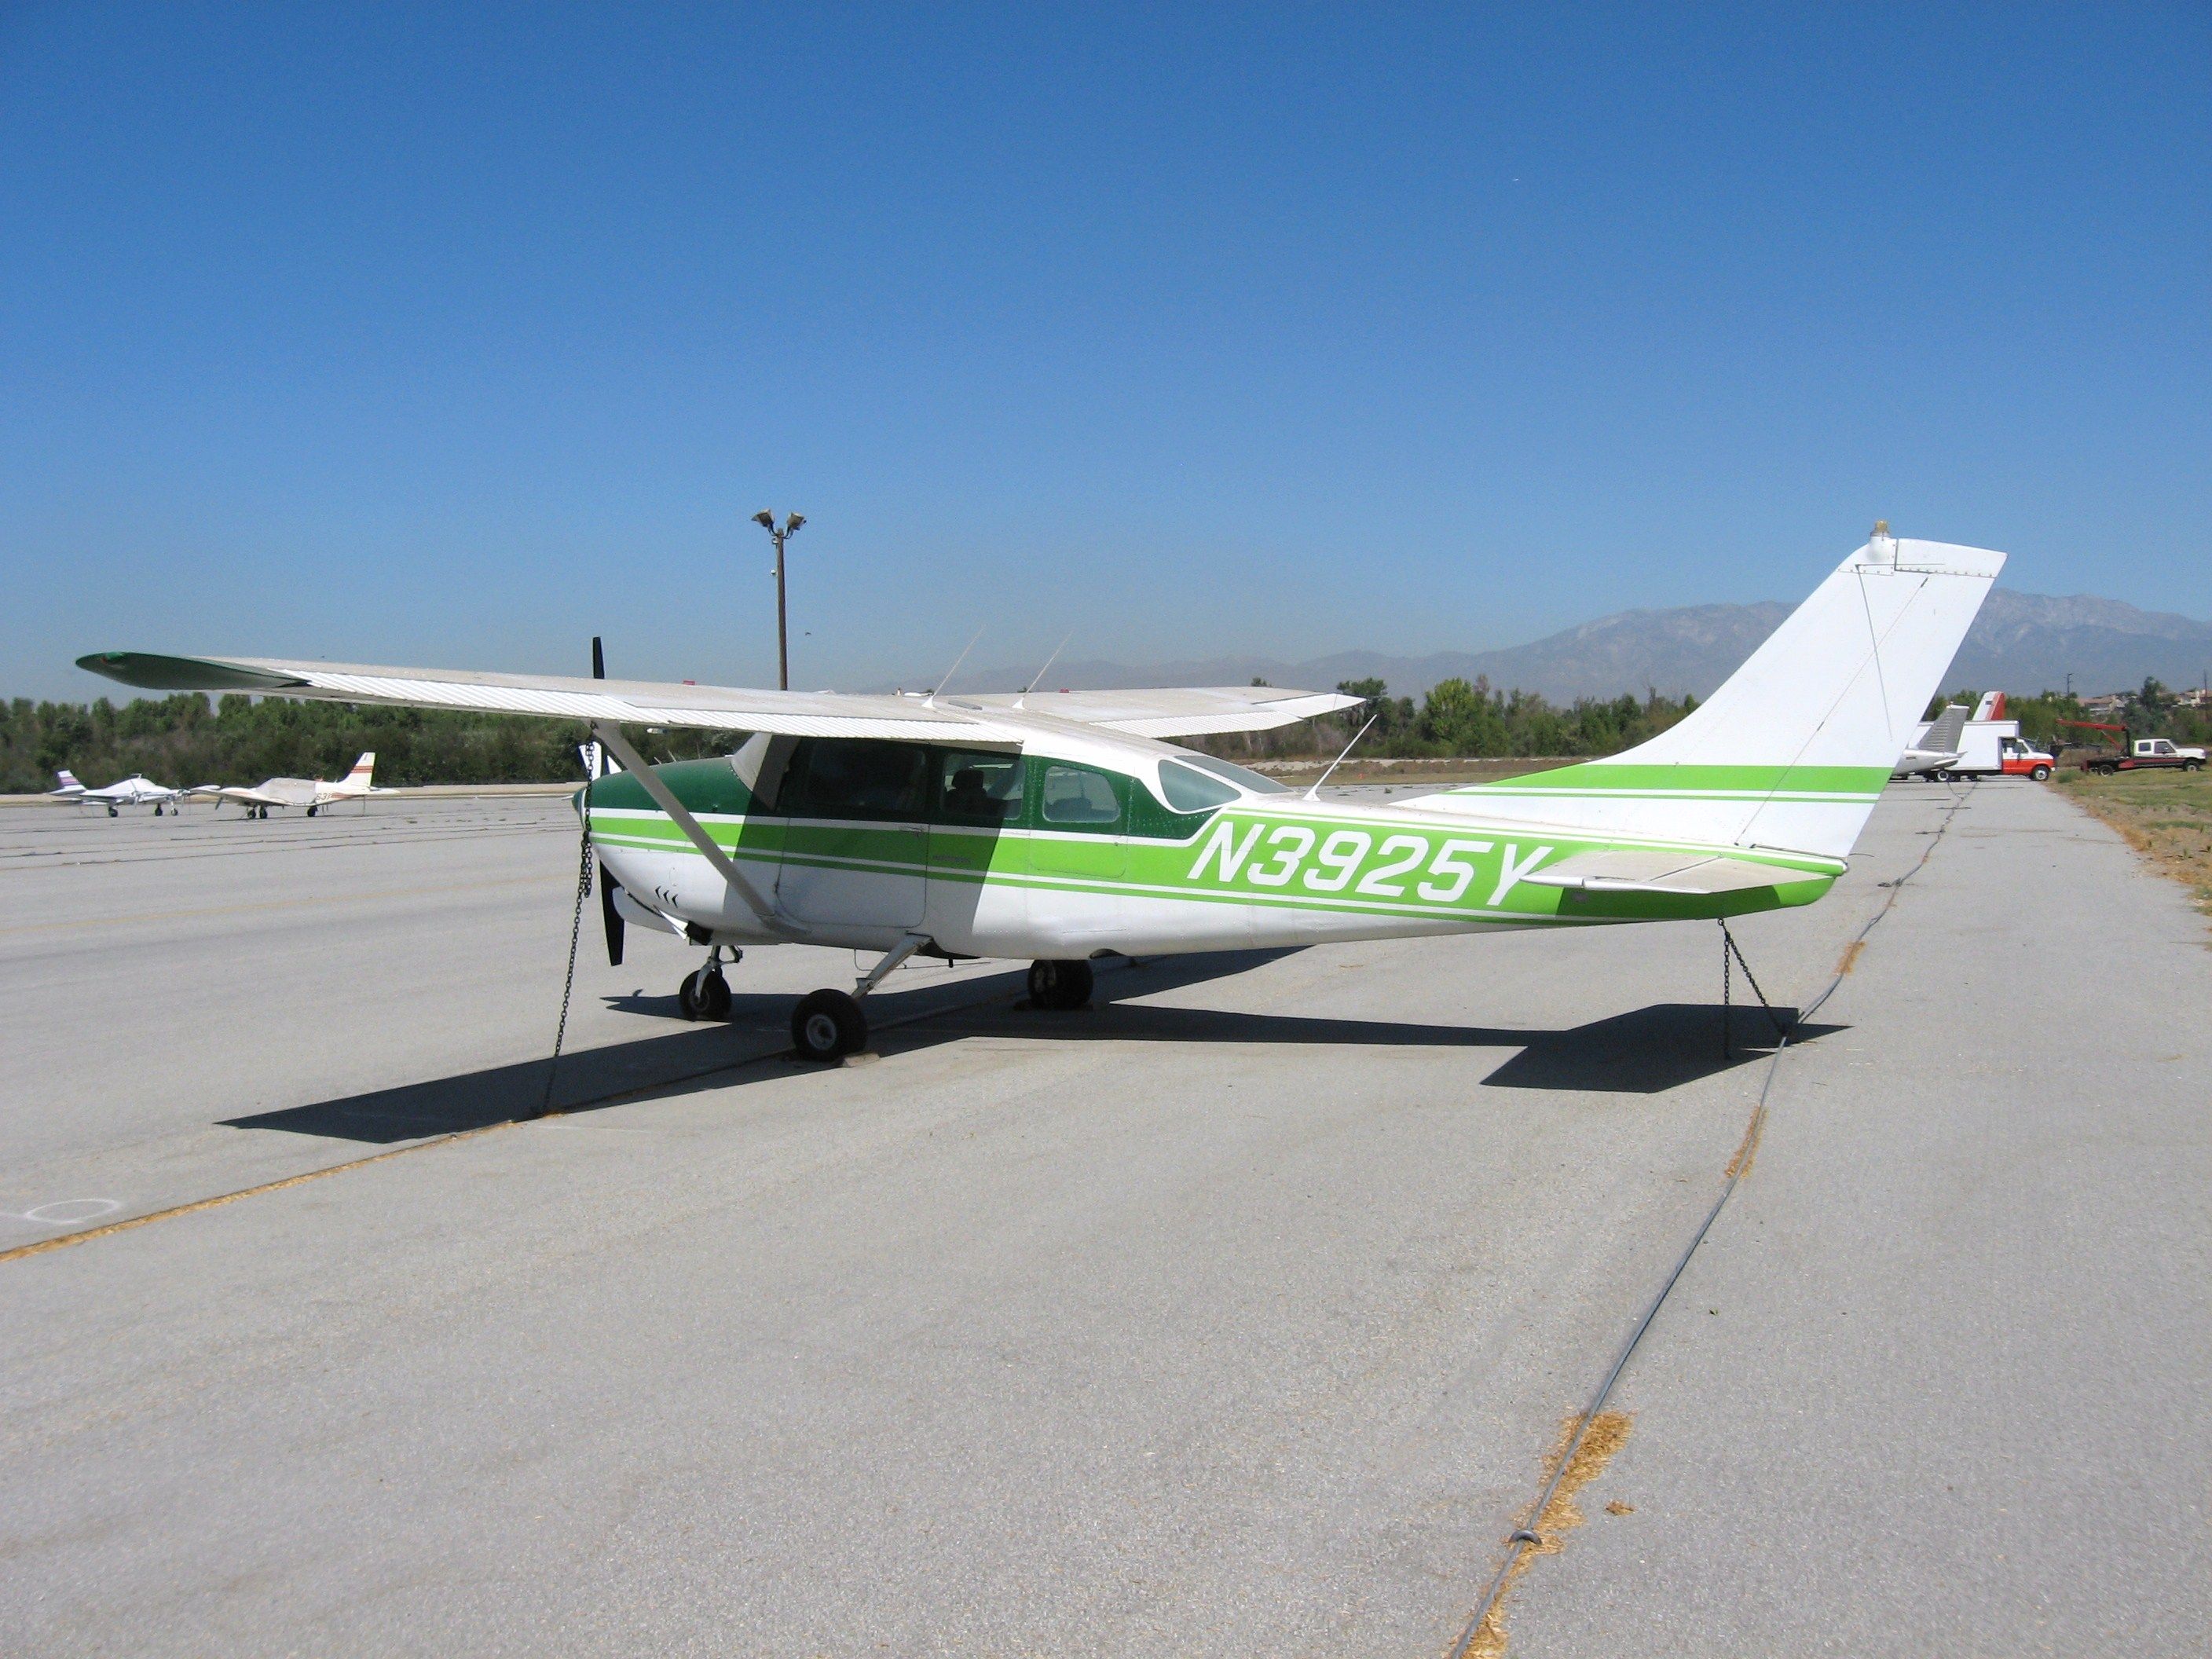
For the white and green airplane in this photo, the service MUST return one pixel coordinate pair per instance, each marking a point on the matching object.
(1064, 827)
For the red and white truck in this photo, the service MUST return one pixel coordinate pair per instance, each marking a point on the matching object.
(1994, 749)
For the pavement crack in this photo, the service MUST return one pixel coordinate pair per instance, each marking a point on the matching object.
(1592, 1449)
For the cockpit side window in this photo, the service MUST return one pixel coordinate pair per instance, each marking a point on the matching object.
(1076, 798)
(855, 778)
(977, 787)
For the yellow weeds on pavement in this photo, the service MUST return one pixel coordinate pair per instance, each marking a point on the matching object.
(1608, 1433)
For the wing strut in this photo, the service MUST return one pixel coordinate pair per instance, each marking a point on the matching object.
(741, 884)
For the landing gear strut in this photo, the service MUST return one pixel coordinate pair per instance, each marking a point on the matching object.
(705, 994)
(828, 1025)
(1060, 986)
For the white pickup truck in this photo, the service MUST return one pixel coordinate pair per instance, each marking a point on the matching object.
(2145, 753)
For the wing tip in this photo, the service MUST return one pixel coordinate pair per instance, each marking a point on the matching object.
(150, 672)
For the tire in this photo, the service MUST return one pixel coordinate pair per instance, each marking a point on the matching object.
(704, 996)
(1060, 986)
(2193, 766)
(311, 811)
(2039, 773)
(827, 1025)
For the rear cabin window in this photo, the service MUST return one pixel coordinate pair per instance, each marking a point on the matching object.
(1258, 783)
(1076, 798)
(1189, 790)
(855, 778)
(978, 788)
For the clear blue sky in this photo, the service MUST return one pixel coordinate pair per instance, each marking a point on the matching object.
(453, 335)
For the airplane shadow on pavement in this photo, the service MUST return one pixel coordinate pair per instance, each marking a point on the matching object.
(1647, 1050)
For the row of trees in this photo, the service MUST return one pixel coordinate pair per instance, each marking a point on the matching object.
(189, 739)
(186, 740)
(1460, 717)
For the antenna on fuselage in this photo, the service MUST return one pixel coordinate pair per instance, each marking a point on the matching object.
(1046, 669)
(945, 678)
(1314, 793)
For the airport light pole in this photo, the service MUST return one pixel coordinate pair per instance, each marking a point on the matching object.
(791, 523)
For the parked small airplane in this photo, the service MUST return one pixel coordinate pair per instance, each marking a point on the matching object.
(313, 793)
(1062, 827)
(1936, 747)
(133, 791)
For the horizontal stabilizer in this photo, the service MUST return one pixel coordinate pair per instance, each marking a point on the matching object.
(1635, 870)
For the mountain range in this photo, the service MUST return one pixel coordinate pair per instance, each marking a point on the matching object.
(2021, 643)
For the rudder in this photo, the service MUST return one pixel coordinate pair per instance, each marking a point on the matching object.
(1795, 747)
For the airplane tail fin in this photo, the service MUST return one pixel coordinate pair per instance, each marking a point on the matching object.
(1793, 749)
(68, 779)
(358, 781)
(1944, 732)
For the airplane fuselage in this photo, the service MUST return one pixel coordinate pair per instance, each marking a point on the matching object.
(1075, 855)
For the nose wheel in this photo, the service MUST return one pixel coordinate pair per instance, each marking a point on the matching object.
(705, 994)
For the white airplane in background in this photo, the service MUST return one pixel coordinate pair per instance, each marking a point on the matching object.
(313, 793)
(1066, 827)
(133, 791)
(1937, 746)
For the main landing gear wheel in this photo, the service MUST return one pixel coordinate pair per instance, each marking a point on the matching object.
(827, 1025)
(1060, 986)
(704, 995)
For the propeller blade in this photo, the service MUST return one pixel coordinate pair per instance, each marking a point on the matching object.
(611, 917)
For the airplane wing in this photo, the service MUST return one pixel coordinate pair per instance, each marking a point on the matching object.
(631, 702)
(1183, 713)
